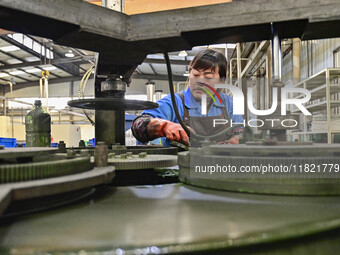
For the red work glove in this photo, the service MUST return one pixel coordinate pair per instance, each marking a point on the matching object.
(233, 140)
(164, 128)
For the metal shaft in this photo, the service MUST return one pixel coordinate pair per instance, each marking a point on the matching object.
(150, 91)
(110, 127)
(276, 57)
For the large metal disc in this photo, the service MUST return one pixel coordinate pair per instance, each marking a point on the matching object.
(179, 219)
(112, 104)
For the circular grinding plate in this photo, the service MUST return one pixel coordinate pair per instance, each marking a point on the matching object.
(179, 219)
(112, 104)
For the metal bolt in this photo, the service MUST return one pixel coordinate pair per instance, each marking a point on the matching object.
(71, 153)
(101, 153)
(84, 153)
(62, 147)
(81, 143)
(142, 154)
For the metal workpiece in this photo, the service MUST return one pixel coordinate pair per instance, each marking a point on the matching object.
(284, 168)
(180, 219)
(101, 154)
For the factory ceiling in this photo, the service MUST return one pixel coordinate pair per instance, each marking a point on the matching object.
(23, 58)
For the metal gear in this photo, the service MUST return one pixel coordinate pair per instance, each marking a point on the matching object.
(298, 179)
(141, 161)
(40, 170)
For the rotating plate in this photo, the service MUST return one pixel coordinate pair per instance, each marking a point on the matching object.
(133, 162)
(25, 152)
(179, 219)
(112, 104)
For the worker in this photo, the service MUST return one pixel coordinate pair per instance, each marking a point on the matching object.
(208, 68)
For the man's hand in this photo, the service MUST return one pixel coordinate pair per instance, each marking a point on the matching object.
(233, 140)
(164, 128)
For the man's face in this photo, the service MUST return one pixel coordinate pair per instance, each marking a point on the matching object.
(202, 79)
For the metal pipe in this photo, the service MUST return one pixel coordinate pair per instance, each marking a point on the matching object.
(150, 91)
(231, 66)
(276, 57)
(296, 58)
(158, 94)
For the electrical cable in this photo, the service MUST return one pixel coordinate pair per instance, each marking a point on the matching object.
(81, 91)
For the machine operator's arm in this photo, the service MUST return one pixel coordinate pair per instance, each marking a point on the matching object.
(146, 128)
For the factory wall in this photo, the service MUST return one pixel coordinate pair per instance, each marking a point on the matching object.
(316, 55)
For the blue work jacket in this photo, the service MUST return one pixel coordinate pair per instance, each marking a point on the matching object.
(166, 110)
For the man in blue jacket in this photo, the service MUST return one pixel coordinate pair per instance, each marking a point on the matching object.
(209, 67)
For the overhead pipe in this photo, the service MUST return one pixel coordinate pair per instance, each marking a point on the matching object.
(276, 56)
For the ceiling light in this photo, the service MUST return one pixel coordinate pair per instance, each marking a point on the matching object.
(186, 74)
(3, 74)
(13, 61)
(32, 59)
(9, 48)
(17, 72)
(33, 70)
(69, 54)
(49, 68)
(183, 53)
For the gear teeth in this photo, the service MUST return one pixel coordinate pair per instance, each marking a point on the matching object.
(40, 170)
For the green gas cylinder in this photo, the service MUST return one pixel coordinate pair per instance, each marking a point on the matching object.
(38, 127)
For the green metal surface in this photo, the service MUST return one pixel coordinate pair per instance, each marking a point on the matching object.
(179, 219)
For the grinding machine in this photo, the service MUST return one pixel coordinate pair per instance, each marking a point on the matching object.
(109, 207)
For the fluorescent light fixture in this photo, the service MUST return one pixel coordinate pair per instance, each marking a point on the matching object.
(17, 72)
(186, 74)
(3, 74)
(32, 59)
(33, 70)
(183, 53)
(69, 54)
(49, 68)
(220, 45)
(231, 45)
(13, 61)
(9, 48)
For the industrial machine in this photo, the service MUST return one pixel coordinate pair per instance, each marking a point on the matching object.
(294, 214)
